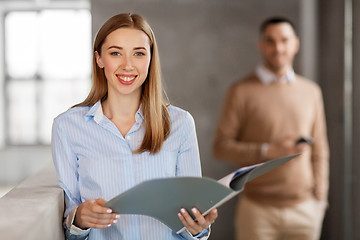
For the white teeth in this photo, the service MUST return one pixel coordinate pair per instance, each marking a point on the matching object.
(126, 79)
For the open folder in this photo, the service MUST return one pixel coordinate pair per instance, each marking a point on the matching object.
(163, 198)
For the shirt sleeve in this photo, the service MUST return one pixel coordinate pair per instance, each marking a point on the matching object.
(188, 158)
(65, 162)
(204, 235)
(188, 164)
(226, 145)
(320, 152)
(71, 231)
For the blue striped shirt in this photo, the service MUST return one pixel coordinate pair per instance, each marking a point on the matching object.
(93, 160)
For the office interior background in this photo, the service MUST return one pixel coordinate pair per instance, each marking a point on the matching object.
(205, 45)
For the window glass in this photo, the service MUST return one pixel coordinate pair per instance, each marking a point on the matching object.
(21, 44)
(48, 69)
(22, 99)
(65, 44)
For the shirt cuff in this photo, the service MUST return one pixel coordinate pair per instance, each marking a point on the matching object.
(322, 204)
(69, 222)
(204, 235)
(264, 149)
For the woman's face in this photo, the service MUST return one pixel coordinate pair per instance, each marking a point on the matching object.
(125, 57)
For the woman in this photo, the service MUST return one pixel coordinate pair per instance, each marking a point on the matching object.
(122, 134)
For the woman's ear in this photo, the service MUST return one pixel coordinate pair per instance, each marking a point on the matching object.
(98, 60)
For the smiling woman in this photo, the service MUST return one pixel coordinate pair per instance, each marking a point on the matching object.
(122, 134)
(125, 58)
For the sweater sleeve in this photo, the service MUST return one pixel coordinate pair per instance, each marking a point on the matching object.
(320, 152)
(226, 145)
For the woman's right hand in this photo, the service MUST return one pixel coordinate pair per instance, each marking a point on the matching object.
(92, 214)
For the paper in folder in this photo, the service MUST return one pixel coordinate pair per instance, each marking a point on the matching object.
(163, 198)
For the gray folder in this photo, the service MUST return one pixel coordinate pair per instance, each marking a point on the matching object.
(163, 198)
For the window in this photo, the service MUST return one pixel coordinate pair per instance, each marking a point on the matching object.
(47, 70)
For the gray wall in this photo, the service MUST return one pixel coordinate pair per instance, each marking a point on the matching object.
(205, 45)
(338, 62)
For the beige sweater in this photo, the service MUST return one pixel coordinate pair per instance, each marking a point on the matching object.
(253, 114)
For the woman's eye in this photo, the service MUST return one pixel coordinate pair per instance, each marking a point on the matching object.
(115, 54)
(139, 54)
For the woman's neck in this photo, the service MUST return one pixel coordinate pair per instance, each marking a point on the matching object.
(121, 111)
(120, 106)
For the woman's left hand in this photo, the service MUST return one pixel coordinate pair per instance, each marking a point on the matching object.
(202, 222)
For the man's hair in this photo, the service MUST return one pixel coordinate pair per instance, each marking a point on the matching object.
(276, 20)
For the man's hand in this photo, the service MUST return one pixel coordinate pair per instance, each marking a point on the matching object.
(286, 147)
(92, 214)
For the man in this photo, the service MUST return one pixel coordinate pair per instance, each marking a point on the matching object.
(263, 117)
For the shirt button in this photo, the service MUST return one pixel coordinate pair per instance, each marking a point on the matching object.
(128, 138)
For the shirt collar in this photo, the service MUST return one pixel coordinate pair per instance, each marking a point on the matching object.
(97, 113)
(267, 77)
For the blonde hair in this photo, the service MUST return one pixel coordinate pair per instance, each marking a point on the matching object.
(153, 103)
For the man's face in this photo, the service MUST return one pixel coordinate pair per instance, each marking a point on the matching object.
(278, 46)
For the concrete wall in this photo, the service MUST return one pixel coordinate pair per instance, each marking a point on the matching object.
(205, 45)
(339, 77)
(33, 209)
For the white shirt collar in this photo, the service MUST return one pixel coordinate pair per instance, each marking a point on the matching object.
(267, 77)
(96, 112)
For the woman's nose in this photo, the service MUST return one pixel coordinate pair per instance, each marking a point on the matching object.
(127, 63)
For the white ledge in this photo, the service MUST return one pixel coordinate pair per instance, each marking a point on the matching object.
(34, 209)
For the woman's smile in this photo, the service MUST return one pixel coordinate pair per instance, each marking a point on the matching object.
(126, 79)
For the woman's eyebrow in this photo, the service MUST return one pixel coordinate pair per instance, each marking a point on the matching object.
(140, 48)
(115, 47)
(120, 48)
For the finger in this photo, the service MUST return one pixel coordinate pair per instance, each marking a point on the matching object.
(301, 146)
(99, 223)
(189, 222)
(110, 218)
(100, 201)
(183, 220)
(186, 224)
(90, 214)
(292, 137)
(87, 221)
(211, 216)
(97, 206)
(187, 216)
(95, 223)
(200, 219)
